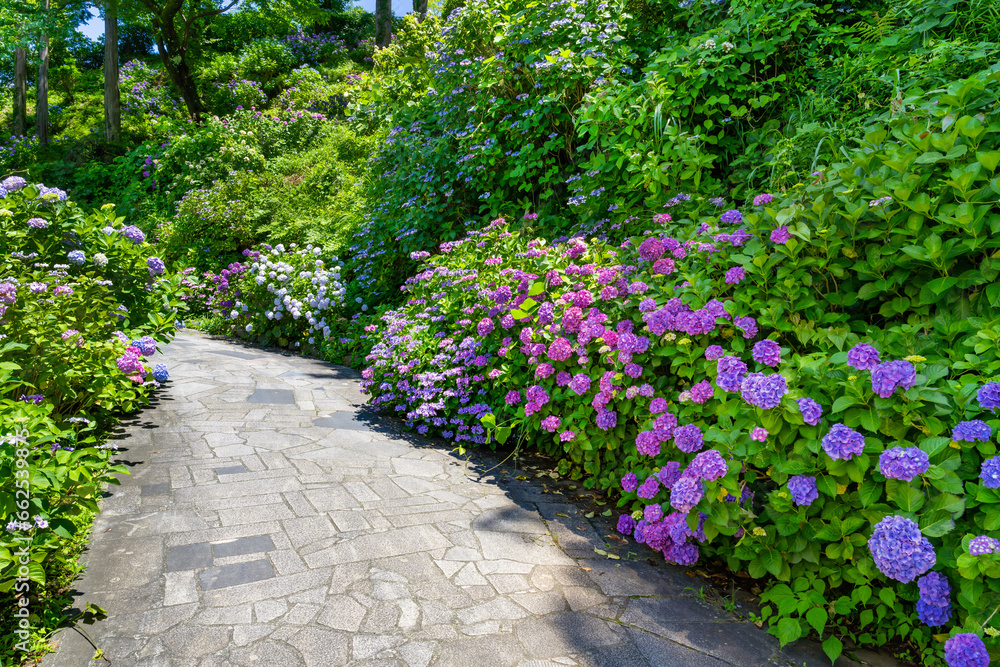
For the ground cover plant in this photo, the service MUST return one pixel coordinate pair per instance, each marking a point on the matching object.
(83, 305)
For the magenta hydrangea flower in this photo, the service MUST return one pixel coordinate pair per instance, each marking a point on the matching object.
(651, 249)
(658, 405)
(900, 551)
(780, 235)
(652, 513)
(687, 492)
(747, 325)
(731, 371)
(934, 606)
(759, 434)
(713, 352)
(701, 392)
(903, 463)
(485, 327)
(551, 423)
(767, 352)
(842, 442)
(663, 267)
(803, 489)
(971, 431)
(735, 274)
(863, 357)
(892, 375)
(762, 199)
(513, 397)
(763, 391)
(560, 350)
(983, 545)
(688, 438)
(966, 650)
(708, 465)
(544, 371)
(566, 436)
(629, 482)
(810, 410)
(580, 383)
(649, 488)
(647, 443)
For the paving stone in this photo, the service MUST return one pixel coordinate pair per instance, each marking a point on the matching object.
(242, 546)
(342, 612)
(342, 420)
(230, 470)
(563, 634)
(233, 575)
(273, 396)
(189, 557)
(321, 648)
(160, 489)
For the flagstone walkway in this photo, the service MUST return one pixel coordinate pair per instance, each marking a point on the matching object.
(267, 521)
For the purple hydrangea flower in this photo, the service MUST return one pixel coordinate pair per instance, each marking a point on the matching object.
(713, 352)
(647, 443)
(934, 606)
(863, 357)
(652, 513)
(990, 473)
(626, 524)
(606, 419)
(629, 482)
(560, 350)
(764, 391)
(892, 375)
(758, 434)
(551, 423)
(900, 551)
(38, 223)
(731, 371)
(763, 199)
(688, 438)
(651, 249)
(709, 465)
(155, 265)
(903, 463)
(658, 405)
(983, 544)
(76, 257)
(649, 488)
(580, 383)
(513, 397)
(485, 327)
(735, 275)
(767, 352)
(566, 436)
(971, 431)
(687, 492)
(669, 474)
(780, 235)
(842, 442)
(701, 392)
(134, 234)
(811, 411)
(966, 650)
(731, 217)
(989, 396)
(803, 489)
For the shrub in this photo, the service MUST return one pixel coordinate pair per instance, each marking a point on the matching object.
(224, 98)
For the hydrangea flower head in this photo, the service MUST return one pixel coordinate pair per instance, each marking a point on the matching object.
(735, 275)
(649, 488)
(934, 606)
(810, 410)
(764, 391)
(990, 473)
(900, 551)
(983, 544)
(731, 217)
(688, 438)
(763, 199)
(758, 434)
(708, 465)
(842, 442)
(971, 431)
(966, 650)
(134, 234)
(38, 223)
(767, 352)
(803, 489)
(669, 474)
(629, 482)
(903, 463)
(77, 257)
(626, 524)
(780, 235)
(892, 375)
(989, 396)
(713, 352)
(160, 373)
(687, 492)
(863, 357)
(155, 266)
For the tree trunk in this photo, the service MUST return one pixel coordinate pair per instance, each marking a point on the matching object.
(112, 93)
(174, 59)
(383, 23)
(20, 91)
(420, 9)
(42, 98)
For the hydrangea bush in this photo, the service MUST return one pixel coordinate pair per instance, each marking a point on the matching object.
(766, 421)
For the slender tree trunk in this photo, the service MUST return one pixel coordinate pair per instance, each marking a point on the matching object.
(20, 91)
(383, 22)
(420, 9)
(112, 93)
(174, 60)
(42, 98)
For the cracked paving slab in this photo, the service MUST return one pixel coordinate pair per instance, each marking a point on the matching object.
(270, 519)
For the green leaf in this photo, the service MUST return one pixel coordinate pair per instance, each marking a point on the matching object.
(930, 157)
(771, 560)
(788, 630)
(833, 647)
(842, 403)
(816, 617)
(908, 498)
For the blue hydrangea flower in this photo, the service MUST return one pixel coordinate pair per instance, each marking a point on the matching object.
(934, 606)
(842, 442)
(155, 265)
(966, 650)
(76, 257)
(982, 545)
(134, 234)
(971, 431)
(900, 551)
(903, 463)
(989, 396)
(990, 473)
(892, 375)
(863, 357)
(669, 474)
(803, 489)
(764, 391)
(767, 352)
(160, 373)
(810, 410)
(731, 217)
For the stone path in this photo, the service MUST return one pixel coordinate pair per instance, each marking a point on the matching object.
(265, 522)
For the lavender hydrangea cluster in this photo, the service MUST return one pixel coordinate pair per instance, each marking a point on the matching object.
(892, 375)
(767, 352)
(810, 410)
(863, 357)
(708, 465)
(731, 372)
(803, 489)
(989, 396)
(989, 473)
(900, 551)
(934, 605)
(974, 430)
(688, 438)
(843, 443)
(966, 650)
(76, 257)
(981, 545)
(155, 266)
(903, 463)
(764, 391)
(134, 234)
